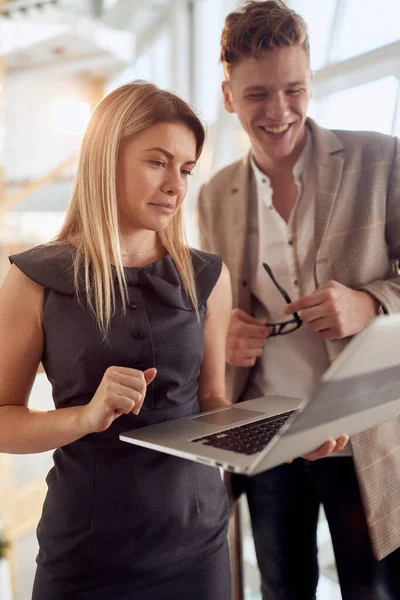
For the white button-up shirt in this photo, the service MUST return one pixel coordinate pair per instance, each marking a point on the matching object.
(292, 364)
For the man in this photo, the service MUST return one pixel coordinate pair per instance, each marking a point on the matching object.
(322, 209)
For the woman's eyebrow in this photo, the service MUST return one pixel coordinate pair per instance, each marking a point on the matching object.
(169, 154)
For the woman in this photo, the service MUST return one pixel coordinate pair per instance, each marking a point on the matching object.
(130, 326)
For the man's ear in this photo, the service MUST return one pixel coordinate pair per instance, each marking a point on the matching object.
(227, 94)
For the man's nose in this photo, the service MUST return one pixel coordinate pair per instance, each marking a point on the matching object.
(277, 107)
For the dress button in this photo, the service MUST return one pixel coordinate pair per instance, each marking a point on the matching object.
(138, 335)
(140, 366)
(133, 305)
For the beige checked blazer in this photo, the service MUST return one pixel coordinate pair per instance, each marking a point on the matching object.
(356, 178)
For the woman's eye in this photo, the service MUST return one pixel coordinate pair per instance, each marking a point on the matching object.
(158, 163)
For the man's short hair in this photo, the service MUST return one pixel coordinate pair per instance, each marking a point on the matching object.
(260, 27)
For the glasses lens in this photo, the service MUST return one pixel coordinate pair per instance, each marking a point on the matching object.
(289, 327)
(284, 328)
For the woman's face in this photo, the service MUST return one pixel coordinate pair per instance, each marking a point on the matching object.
(152, 176)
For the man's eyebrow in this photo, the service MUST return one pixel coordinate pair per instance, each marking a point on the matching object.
(296, 83)
(255, 88)
(263, 88)
(169, 154)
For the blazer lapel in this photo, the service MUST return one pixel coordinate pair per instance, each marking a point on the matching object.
(238, 211)
(328, 163)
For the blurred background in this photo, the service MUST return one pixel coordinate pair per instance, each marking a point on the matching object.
(58, 58)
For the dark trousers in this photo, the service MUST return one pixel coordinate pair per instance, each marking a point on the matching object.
(284, 504)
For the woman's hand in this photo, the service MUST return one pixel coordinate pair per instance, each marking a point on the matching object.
(121, 391)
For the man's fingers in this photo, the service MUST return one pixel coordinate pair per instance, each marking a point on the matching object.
(241, 315)
(246, 330)
(309, 301)
(321, 324)
(244, 357)
(314, 313)
(245, 343)
(325, 450)
(341, 442)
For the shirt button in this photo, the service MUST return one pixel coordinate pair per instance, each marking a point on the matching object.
(290, 242)
(138, 335)
(271, 207)
(140, 366)
(132, 305)
(296, 282)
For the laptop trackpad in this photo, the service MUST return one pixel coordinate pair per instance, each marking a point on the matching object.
(229, 416)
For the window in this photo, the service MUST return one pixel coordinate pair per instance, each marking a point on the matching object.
(369, 107)
(319, 23)
(70, 117)
(366, 26)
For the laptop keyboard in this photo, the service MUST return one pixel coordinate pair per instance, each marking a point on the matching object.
(249, 438)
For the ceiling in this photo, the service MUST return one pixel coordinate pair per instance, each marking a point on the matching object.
(68, 33)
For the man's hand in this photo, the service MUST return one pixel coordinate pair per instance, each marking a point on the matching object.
(335, 311)
(246, 339)
(327, 448)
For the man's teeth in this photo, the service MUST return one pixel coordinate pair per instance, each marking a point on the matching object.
(280, 129)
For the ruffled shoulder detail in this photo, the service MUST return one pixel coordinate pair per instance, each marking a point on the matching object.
(165, 282)
(50, 265)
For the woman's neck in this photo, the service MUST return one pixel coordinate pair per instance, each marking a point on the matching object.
(140, 250)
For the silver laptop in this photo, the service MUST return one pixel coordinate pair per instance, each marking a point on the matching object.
(359, 390)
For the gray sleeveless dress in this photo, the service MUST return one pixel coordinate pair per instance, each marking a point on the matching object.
(122, 522)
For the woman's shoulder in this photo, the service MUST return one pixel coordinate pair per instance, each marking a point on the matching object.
(207, 269)
(205, 260)
(50, 265)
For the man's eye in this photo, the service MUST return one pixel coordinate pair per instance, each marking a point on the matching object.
(256, 96)
(293, 92)
(185, 172)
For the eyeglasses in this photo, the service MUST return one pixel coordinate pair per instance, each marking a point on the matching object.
(284, 327)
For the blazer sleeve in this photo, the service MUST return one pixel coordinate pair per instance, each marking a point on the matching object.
(387, 292)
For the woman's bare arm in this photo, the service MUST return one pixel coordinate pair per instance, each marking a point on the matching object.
(23, 430)
(212, 373)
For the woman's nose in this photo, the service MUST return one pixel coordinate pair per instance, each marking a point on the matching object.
(173, 185)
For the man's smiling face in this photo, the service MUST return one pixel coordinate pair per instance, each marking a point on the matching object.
(270, 96)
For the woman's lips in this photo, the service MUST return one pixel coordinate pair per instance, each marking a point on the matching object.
(163, 207)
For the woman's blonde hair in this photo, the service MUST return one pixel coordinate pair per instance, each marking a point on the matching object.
(91, 222)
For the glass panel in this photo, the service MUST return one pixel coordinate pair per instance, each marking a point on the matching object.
(161, 54)
(365, 107)
(313, 109)
(367, 25)
(208, 20)
(319, 24)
